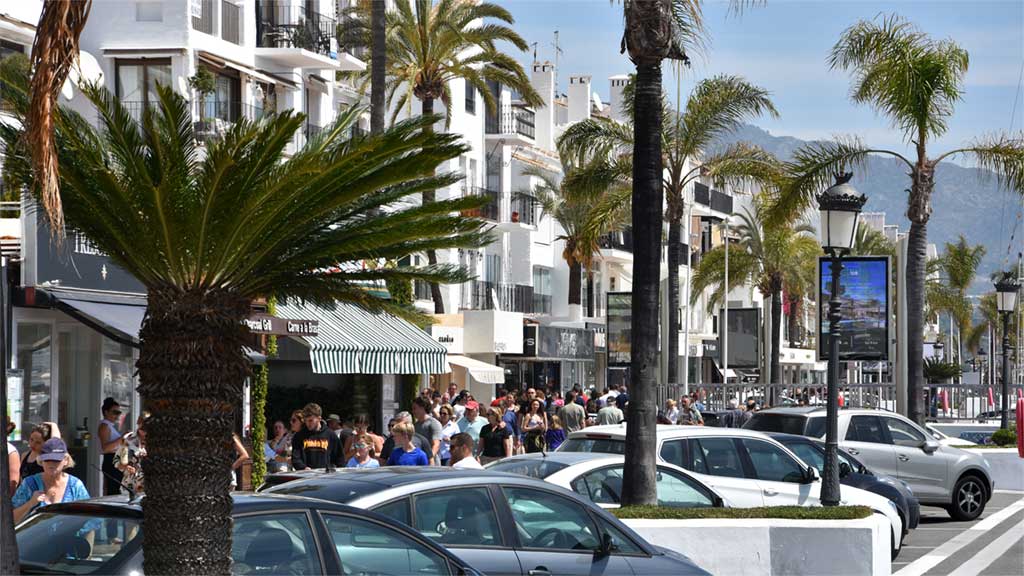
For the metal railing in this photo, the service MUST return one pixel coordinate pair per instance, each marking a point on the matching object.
(230, 21)
(479, 295)
(204, 23)
(214, 117)
(489, 211)
(524, 209)
(287, 25)
(622, 240)
(511, 120)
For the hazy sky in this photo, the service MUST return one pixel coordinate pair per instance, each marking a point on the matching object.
(783, 46)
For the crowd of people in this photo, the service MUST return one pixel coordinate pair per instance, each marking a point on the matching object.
(688, 412)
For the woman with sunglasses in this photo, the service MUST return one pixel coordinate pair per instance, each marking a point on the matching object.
(362, 459)
(110, 441)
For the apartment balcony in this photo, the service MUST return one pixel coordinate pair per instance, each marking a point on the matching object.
(10, 226)
(713, 199)
(215, 117)
(480, 295)
(514, 122)
(524, 210)
(617, 246)
(489, 211)
(293, 36)
(230, 20)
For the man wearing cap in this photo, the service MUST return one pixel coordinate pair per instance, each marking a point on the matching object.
(50, 486)
(315, 446)
(472, 423)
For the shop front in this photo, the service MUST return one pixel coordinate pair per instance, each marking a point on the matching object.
(554, 358)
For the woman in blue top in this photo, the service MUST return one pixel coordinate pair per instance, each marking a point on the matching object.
(405, 452)
(53, 484)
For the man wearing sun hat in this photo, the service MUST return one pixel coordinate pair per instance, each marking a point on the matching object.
(472, 423)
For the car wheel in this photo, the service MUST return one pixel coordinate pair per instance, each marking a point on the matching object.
(968, 498)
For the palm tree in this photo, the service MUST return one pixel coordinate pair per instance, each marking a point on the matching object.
(916, 82)
(960, 265)
(717, 106)
(871, 242)
(209, 233)
(431, 45)
(771, 256)
(378, 64)
(575, 207)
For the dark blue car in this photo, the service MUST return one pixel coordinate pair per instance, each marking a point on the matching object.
(853, 473)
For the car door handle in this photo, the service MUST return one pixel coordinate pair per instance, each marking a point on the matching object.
(539, 571)
(853, 451)
(904, 458)
(768, 492)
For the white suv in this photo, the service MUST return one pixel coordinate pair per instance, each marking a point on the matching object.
(889, 444)
(747, 468)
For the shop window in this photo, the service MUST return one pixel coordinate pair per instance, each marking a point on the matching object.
(30, 390)
(117, 376)
(136, 82)
(541, 290)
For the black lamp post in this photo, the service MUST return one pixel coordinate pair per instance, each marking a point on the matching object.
(1006, 300)
(840, 208)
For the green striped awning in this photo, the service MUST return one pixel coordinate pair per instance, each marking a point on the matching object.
(351, 340)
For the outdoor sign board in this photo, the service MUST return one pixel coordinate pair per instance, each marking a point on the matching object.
(265, 324)
(620, 315)
(744, 329)
(600, 336)
(76, 263)
(451, 337)
(558, 343)
(864, 293)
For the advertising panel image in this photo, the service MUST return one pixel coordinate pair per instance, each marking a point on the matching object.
(620, 318)
(864, 295)
(744, 328)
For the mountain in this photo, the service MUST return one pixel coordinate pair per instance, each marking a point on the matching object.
(966, 201)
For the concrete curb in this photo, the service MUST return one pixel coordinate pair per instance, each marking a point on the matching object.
(761, 547)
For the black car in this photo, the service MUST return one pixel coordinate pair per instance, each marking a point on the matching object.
(853, 473)
(272, 534)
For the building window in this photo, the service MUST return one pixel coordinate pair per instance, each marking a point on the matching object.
(8, 49)
(541, 290)
(470, 98)
(204, 23)
(136, 83)
(149, 12)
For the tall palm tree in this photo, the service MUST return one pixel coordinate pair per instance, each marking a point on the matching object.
(430, 45)
(871, 242)
(575, 207)
(717, 106)
(378, 64)
(771, 256)
(209, 233)
(960, 265)
(916, 82)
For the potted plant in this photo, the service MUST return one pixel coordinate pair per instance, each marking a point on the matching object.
(203, 82)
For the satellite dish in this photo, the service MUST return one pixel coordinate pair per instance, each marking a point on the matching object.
(86, 70)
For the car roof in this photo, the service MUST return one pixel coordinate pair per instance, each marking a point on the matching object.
(667, 431)
(243, 502)
(783, 437)
(391, 476)
(796, 410)
(567, 458)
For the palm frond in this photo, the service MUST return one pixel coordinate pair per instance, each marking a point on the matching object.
(1001, 154)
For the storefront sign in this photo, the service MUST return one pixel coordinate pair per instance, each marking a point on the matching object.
(711, 348)
(264, 324)
(492, 332)
(620, 318)
(600, 337)
(451, 337)
(556, 343)
(76, 263)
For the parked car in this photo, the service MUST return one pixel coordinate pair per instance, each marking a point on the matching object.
(747, 467)
(889, 444)
(271, 535)
(944, 439)
(853, 473)
(598, 477)
(995, 416)
(500, 523)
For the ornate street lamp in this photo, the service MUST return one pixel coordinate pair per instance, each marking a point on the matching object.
(840, 208)
(1006, 300)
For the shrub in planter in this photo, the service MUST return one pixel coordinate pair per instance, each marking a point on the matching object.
(1004, 437)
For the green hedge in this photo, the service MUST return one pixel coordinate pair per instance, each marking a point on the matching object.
(1004, 437)
(783, 512)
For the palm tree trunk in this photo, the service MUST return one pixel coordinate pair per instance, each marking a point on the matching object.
(794, 310)
(775, 369)
(191, 370)
(590, 293)
(428, 197)
(639, 486)
(575, 283)
(377, 65)
(674, 258)
(917, 254)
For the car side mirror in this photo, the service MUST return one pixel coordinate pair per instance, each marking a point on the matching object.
(844, 470)
(929, 446)
(607, 545)
(811, 476)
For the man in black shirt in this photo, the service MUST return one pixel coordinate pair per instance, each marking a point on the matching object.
(316, 445)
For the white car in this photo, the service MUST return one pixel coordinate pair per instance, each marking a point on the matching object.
(747, 468)
(599, 478)
(945, 440)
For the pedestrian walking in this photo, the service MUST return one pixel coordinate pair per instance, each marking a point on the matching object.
(689, 415)
(695, 401)
(110, 441)
(405, 452)
(50, 486)
(362, 428)
(448, 429)
(610, 414)
(534, 424)
(13, 467)
(30, 460)
(280, 444)
(495, 438)
(462, 448)
(315, 446)
(732, 417)
(362, 444)
(472, 422)
(572, 415)
(418, 440)
(241, 456)
(555, 434)
(130, 455)
(511, 421)
(427, 426)
(671, 411)
(593, 407)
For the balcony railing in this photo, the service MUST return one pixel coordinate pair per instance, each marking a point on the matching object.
(489, 211)
(214, 117)
(287, 25)
(524, 209)
(230, 21)
(204, 23)
(618, 241)
(512, 120)
(477, 295)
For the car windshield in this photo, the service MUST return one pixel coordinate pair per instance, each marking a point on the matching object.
(603, 445)
(326, 488)
(539, 468)
(786, 423)
(76, 543)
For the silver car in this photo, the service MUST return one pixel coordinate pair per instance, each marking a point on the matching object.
(889, 444)
(499, 523)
